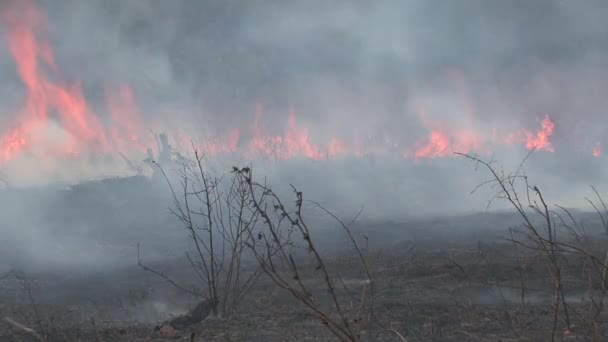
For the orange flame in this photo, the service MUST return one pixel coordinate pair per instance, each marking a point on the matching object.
(540, 141)
(445, 144)
(12, 143)
(82, 131)
(293, 143)
(32, 53)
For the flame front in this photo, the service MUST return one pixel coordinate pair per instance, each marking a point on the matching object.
(56, 121)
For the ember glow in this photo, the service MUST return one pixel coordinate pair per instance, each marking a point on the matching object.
(57, 122)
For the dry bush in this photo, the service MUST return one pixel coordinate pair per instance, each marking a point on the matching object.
(276, 245)
(540, 232)
(215, 212)
(229, 219)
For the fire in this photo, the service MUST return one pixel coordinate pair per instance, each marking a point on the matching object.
(124, 124)
(443, 143)
(597, 150)
(33, 54)
(217, 146)
(56, 121)
(293, 143)
(12, 143)
(540, 140)
(336, 148)
(297, 141)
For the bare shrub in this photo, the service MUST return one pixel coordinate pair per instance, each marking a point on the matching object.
(542, 225)
(232, 218)
(285, 233)
(215, 213)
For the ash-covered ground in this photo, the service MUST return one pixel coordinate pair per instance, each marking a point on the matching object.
(436, 277)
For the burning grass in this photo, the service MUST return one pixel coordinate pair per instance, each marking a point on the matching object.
(56, 124)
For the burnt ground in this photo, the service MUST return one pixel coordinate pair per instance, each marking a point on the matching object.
(442, 279)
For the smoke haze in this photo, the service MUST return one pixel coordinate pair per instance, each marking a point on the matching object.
(381, 73)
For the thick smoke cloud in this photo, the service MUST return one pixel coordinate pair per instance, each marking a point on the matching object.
(519, 59)
(353, 68)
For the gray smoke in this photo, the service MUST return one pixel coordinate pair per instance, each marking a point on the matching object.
(354, 68)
